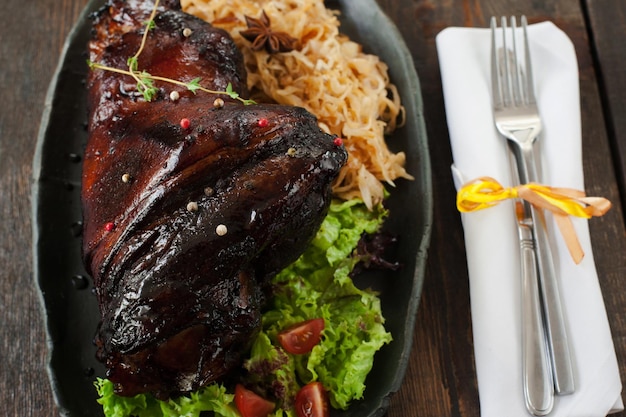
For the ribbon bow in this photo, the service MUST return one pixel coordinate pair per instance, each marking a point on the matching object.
(485, 192)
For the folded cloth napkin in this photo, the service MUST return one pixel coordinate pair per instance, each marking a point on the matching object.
(491, 234)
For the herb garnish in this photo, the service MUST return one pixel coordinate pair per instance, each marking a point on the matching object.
(145, 80)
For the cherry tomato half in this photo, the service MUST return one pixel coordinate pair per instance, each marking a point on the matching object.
(250, 404)
(302, 337)
(312, 401)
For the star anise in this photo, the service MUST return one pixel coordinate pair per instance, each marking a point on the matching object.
(260, 33)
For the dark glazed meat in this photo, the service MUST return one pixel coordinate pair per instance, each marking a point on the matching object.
(183, 227)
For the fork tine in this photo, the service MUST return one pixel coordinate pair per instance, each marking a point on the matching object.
(507, 91)
(496, 81)
(530, 86)
(515, 71)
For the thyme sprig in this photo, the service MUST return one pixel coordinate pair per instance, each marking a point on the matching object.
(145, 80)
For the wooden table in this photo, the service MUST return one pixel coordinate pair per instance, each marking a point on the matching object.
(440, 379)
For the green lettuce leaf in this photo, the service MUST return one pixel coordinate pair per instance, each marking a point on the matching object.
(318, 284)
(210, 398)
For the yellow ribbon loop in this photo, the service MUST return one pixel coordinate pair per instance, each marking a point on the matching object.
(485, 192)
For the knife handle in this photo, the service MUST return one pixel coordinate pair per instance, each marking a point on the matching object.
(536, 369)
(556, 333)
(554, 319)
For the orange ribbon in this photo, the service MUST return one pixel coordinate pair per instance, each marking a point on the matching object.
(485, 192)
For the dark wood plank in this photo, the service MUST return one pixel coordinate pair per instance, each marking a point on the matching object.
(32, 38)
(607, 25)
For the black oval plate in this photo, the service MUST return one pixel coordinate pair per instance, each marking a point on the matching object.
(69, 306)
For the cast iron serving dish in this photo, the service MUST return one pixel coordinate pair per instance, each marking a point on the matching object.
(69, 306)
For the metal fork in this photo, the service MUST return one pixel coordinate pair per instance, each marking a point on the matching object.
(517, 119)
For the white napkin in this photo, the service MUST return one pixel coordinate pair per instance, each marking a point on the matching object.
(491, 235)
